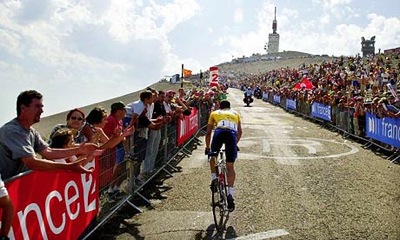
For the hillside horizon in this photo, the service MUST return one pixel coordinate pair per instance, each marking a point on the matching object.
(293, 60)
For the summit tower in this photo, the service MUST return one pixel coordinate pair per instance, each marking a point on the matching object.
(273, 38)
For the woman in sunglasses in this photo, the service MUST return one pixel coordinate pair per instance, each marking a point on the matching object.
(75, 120)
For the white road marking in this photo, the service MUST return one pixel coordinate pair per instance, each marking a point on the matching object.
(311, 149)
(266, 146)
(263, 235)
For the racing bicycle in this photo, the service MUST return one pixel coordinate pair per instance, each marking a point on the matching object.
(219, 193)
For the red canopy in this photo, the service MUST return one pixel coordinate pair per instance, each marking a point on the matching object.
(304, 83)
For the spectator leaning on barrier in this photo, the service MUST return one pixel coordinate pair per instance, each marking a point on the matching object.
(141, 122)
(63, 138)
(93, 129)
(113, 128)
(157, 112)
(359, 114)
(182, 94)
(177, 106)
(75, 120)
(19, 142)
(169, 95)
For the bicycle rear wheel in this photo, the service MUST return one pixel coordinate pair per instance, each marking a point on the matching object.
(218, 204)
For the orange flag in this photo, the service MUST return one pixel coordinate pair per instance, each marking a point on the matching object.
(187, 73)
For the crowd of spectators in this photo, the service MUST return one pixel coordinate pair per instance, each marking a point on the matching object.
(357, 84)
(73, 144)
(132, 131)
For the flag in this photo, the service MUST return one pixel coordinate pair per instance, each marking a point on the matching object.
(391, 89)
(305, 83)
(187, 73)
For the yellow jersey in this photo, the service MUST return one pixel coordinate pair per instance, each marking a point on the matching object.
(224, 119)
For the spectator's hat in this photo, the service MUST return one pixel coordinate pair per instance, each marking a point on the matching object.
(170, 93)
(117, 106)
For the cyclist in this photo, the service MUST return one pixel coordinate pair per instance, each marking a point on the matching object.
(228, 131)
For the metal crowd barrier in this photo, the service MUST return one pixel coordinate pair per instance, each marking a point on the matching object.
(168, 156)
(63, 205)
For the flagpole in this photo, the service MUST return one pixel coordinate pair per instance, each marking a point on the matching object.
(201, 79)
(182, 77)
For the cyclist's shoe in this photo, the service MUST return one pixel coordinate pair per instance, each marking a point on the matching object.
(231, 203)
(214, 185)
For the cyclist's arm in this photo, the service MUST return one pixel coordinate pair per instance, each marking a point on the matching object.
(208, 135)
(239, 132)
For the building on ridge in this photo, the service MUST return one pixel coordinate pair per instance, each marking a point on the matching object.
(368, 47)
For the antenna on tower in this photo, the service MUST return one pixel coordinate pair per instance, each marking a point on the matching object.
(272, 46)
(274, 24)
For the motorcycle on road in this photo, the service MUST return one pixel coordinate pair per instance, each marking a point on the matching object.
(247, 100)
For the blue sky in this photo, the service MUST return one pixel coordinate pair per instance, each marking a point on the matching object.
(78, 52)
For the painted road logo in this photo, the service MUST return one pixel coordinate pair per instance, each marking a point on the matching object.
(291, 151)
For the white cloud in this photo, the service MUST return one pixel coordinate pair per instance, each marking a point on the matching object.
(325, 19)
(238, 15)
(329, 4)
(386, 30)
(97, 49)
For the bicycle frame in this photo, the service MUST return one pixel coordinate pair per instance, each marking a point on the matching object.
(219, 193)
(221, 172)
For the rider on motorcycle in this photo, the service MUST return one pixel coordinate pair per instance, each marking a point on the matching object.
(248, 96)
(248, 92)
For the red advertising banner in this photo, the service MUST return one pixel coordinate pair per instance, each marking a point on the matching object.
(53, 205)
(214, 76)
(187, 127)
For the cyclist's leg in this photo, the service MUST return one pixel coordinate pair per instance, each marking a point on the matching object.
(231, 174)
(231, 154)
(216, 145)
(212, 166)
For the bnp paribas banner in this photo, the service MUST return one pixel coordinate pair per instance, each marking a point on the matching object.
(277, 99)
(385, 129)
(322, 111)
(291, 104)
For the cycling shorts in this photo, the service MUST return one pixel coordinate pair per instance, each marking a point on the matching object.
(229, 139)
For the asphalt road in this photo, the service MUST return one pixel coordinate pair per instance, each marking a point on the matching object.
(294, 180)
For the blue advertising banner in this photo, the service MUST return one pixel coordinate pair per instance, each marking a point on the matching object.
(386, 130)
(322, 111)
(277, 99)
(265, 96)
(291, 104)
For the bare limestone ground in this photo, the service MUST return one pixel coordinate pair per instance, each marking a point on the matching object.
(281, 187)
(295, 180)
